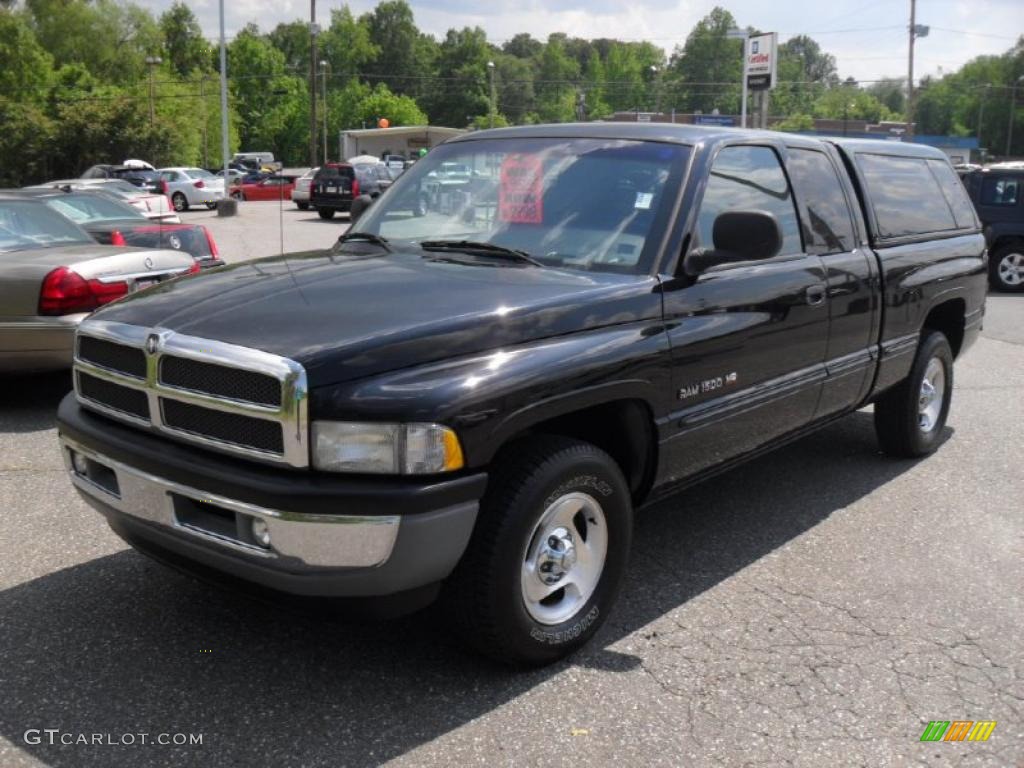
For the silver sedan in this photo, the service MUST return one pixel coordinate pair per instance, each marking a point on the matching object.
(192, 186)
(53, 274)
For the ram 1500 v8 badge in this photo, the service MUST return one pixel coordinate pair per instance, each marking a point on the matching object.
(470, 394)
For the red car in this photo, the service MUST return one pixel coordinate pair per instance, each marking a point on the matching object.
(271, 188)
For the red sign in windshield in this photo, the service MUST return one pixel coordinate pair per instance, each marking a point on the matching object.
(521, 191)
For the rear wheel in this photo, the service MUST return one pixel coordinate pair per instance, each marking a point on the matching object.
(302, 206)
(1006, 267)
(548, 553)
(909, 418)
(179, 201)
(326, 213)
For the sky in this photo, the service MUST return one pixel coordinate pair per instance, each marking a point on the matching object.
(867, 37)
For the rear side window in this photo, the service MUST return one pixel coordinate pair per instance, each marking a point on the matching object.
(828, 228)
(345, 172)
(905, 196)
(1000, 191)
(956, 195)
(749, 179)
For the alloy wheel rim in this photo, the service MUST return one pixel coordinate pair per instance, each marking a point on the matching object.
(564, 558)
(1011, 269)
(931, 395)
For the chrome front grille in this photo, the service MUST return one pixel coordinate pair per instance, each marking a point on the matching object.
(225, 397)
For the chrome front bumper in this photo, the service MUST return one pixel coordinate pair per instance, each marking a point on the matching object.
(299, 542)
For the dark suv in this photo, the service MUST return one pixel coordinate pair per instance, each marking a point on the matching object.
(334, 188)
(998, 196)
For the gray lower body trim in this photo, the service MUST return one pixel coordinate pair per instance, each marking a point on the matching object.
(310, 554)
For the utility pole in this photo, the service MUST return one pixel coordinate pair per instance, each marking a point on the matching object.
(313, 30)
(916, 30)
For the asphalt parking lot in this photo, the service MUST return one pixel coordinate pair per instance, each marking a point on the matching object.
(267, 229)
(817, 607)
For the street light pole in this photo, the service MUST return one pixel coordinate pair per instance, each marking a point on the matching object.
(1013, 109)
(494, 108)
(742, 35)
(313, 30)
(224, 207)
(323, 73)
(152, 61)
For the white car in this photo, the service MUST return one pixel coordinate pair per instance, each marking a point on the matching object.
(156, 207)
(192, 186)
(300, 194)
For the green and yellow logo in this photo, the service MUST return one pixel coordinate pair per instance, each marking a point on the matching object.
(958, 730)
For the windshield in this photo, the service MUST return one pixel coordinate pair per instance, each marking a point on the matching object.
(199, 173)
(89, 209)
(30, 224)
(574, 203)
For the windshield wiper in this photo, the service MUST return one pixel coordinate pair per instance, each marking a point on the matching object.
(480, 249)
(366, 237)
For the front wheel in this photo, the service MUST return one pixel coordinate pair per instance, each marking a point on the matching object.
(1006, 268)
(909, 418)
(302, 206)
(548, 554)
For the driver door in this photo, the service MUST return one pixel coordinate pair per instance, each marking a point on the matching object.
(748, 339)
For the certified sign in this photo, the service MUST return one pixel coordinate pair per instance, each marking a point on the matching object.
(762, 56)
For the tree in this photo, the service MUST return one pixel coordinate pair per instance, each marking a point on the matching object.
(464, 87)
(701, 73)
(184, 45)
(25, 66)
(346, 46)
(25, 143)
(557, 77)
(523, 46)
(400, 48)
(890, 91)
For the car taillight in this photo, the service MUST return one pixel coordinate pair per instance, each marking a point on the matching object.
(116, 238)
(194, 269)
(65, 292)
(355, 187)
(214, 253)
(199, 184)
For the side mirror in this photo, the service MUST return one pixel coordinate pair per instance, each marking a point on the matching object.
(359, 206)
(737, 236)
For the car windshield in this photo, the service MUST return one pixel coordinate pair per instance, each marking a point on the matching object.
(199, 173)
(592, 204)
(92, 209)
(30, 224)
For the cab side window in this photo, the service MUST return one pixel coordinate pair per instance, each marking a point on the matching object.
(749, 179)
(828, 228)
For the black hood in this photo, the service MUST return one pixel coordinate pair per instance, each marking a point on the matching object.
(348, 316)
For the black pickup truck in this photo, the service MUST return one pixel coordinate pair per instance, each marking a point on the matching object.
(472, 402)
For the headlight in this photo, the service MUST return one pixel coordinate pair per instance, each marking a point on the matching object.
(398, 449)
